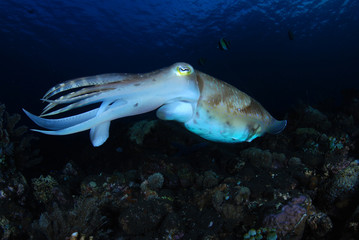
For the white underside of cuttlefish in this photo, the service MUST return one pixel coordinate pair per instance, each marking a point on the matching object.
(205, 105)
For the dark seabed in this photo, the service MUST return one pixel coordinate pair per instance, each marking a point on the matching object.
(153, 179)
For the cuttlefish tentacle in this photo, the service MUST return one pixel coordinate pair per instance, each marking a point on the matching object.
(90, 93)
(79, 102)
(84, 82)
(137, 94)
(207, 106)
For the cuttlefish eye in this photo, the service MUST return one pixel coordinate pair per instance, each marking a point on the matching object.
(184, 70)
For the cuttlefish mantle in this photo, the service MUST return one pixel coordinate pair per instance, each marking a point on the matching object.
(208, 107)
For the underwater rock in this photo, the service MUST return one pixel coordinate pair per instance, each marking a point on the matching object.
(261, 233)
(85, 217)
(113, 189)
(44, 188)
(257, 157)
(15, 145)
(15, 217)
(13, 188)
(155, 181)
(77, 236)
(15, 153)
(291, 219)
(313, 117)
(345, 123)
(294, 161)
(157, 163)
(140, 129)
(351, 229)
(12, 139)
(263, 158)
(235, 165)
(8, 230)
(150, 186)
(233, 212)
(218, 198)
(186, 175)
(334, 163)
(320, 224)
(143, 217)
(209, 179)
(351, 102)
(344, 183)
(303, 134)
(309, 140)
(231, 202)
(311, 146)
(242, 195)
(279, 160)
(172, 227)
(69, 170)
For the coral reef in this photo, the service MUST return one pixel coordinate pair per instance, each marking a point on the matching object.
(263, 158)
(351, 229)
(152, 212)
(15, 144)
(300, 184)
(15, 153)
(85, 217)
(44, 188)
(344, 184)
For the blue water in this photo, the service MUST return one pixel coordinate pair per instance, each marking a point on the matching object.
(46, 42)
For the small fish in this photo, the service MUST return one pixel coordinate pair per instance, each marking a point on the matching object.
(224, 44)
(31, 11)
(202, 61)
(290, 35)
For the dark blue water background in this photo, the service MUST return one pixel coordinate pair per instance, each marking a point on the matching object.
(45, 42)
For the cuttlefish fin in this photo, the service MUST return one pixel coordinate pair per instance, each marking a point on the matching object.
(179, 111)
(276, 126)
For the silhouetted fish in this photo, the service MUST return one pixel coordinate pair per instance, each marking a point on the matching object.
(224, 44)
(202, 61)
(290, 35)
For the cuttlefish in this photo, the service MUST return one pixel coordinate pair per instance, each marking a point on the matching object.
(208, 107)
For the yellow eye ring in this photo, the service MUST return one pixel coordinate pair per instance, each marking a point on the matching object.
(184, 70)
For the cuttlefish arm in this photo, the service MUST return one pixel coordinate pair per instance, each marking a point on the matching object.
(119, 95)
(207, 106)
